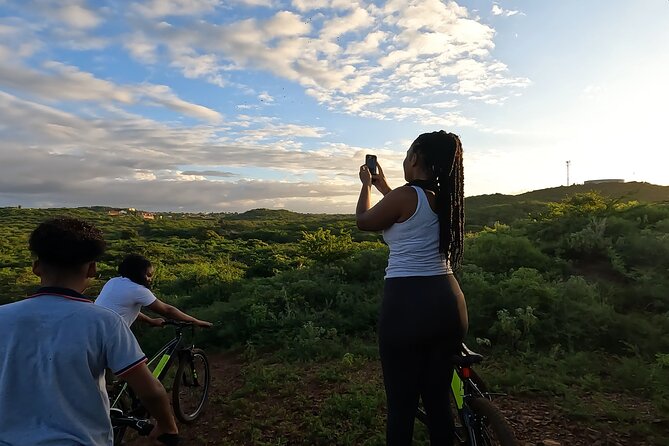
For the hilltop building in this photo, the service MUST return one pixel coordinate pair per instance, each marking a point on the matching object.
(607, 180)
(143, 214)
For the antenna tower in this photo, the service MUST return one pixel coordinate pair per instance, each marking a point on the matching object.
(568, 163)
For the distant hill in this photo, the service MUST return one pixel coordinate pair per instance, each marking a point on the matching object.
(485, 210)
(643, 192)
(481, 210)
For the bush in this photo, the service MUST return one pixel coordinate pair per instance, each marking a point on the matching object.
(500, 250)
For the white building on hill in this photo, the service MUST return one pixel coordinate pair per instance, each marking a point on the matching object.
(611, 180)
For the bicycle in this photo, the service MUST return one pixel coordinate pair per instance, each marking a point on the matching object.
(191, 382)
(477, 421)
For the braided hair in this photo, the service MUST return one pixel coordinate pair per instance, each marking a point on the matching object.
(441, 154)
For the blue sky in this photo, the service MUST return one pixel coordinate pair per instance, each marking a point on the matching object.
(232, 105)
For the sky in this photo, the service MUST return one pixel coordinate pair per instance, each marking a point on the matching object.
(230, 105)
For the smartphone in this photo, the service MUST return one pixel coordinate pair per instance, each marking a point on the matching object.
(370, 161)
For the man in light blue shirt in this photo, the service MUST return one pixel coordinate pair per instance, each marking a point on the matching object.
(56, 346)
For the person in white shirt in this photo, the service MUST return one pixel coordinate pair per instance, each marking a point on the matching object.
(130, 292)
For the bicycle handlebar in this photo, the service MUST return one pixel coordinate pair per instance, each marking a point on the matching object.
(142, 426)
(177, 323)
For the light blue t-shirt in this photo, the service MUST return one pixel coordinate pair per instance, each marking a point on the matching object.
(54, 349)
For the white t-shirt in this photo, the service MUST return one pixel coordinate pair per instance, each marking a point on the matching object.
(125, 297)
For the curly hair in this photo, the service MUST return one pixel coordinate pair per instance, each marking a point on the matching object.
(66, 242)
(441, 154)
(134, 267)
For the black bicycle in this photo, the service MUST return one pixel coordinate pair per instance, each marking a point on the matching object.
(190, 386)
(477, 421)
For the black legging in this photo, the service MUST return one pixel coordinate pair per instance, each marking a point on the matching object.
(419, 331)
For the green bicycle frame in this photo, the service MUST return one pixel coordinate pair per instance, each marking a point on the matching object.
(165, 354)
(458, 389)
(161, 365)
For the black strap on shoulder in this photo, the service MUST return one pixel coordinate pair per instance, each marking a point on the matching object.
(424, 184)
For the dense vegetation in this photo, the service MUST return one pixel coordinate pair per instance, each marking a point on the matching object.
(568, 299)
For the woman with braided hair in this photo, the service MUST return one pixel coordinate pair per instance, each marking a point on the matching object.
(423, 314)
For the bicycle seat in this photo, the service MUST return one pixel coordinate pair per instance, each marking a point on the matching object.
(466, 358)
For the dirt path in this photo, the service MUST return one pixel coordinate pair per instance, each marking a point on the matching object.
(539, 422)
(535, 421)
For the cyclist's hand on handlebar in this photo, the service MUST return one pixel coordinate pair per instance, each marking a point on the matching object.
(156, 322)
(203, 324)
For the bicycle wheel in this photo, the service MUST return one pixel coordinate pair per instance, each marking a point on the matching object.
(490, 427)
(191, 386)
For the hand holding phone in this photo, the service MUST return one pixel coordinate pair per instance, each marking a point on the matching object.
(370, 161)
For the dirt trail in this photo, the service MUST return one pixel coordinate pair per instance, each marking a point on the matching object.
(539, 422)
(535, 421)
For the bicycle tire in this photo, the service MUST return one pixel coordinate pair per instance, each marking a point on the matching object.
(181, 380)
(490, 420)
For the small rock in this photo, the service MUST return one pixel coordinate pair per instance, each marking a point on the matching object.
(549, 443)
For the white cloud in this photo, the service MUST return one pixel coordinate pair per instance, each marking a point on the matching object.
(18, 39)
(498, 10)
(266, 3)
(208, 173)
(308, 5)
(369, 45)
(265, 97)
(62, 82)
(162, 8)
(445, 104)
(336, 27)
(141, 48)
(163, 95)
(285, 24)
(76, 14)
(345, 52)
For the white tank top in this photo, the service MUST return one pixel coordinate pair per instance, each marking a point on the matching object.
(414, 243)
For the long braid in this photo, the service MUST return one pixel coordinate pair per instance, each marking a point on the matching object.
(457, 228)
(441, 153)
